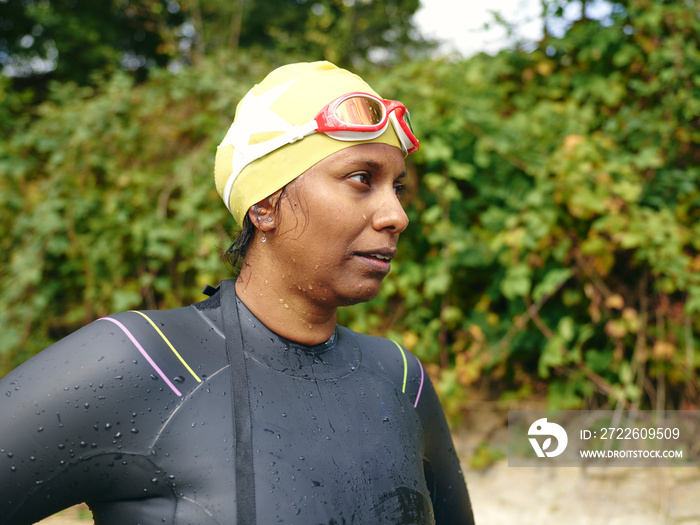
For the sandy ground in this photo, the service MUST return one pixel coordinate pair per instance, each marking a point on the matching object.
(503, 495)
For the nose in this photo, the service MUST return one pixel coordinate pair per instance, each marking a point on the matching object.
(390, 215)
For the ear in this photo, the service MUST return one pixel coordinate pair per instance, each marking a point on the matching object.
(263, 214)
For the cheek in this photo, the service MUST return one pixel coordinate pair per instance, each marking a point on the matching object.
(334, 224)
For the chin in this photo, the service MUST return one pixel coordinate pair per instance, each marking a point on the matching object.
(361, 294)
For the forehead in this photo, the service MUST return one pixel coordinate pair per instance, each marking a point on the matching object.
(374, 156)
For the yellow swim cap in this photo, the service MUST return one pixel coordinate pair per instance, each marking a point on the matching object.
(289, 96)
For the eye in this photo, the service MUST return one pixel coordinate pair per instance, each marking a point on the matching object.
(362, 178)
(399, 189)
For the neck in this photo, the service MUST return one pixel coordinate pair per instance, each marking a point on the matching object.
(284, 306)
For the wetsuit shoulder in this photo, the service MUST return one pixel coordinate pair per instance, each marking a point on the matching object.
(443, 473)
(394, 361)
(78, 420)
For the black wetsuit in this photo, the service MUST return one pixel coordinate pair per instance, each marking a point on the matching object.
(132, 414)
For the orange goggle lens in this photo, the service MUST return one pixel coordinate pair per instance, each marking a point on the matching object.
(360, 111)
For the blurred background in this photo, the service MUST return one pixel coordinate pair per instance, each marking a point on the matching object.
(553, 252)
(553, 255)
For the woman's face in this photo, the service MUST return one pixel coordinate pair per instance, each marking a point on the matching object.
(336, 234)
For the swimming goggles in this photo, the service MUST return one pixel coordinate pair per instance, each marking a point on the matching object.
(351, 117)
(360, 116)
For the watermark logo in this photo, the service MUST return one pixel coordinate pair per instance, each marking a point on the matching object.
(542, 427)
(603, 438)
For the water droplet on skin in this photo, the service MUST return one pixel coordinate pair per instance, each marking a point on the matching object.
(364, 217)
(311, 287)
(286, 305)
(267, 282)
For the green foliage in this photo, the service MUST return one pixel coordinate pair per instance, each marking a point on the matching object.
(78, 38)
(554, 244)
(485, 456)
(342, 31)
(81, 40)
(107, 201)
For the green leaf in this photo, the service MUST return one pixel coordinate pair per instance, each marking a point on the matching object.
(517, 281)
(551, 282)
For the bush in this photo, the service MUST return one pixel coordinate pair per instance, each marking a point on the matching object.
(553, 249)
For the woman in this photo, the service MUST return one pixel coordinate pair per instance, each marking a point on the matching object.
(253, 406)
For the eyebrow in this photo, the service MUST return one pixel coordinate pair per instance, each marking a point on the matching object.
(375, 165)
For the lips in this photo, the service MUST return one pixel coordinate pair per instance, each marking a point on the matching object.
(378, 260)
